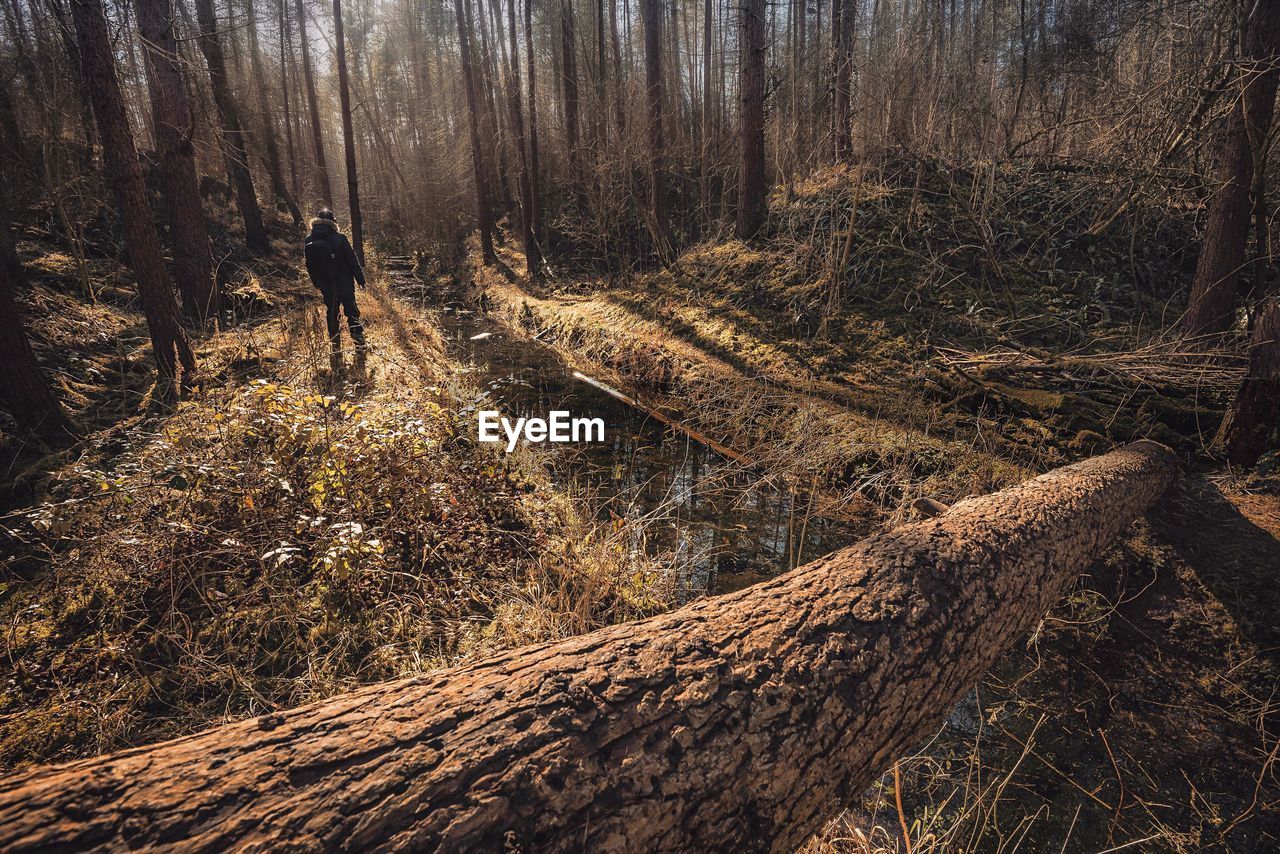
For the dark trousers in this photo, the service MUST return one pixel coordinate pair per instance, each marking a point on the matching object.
(345, 299)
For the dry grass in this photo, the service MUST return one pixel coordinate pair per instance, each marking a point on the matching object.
(979, 338)
(299, 526)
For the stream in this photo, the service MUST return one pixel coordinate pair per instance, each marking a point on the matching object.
(720, 523)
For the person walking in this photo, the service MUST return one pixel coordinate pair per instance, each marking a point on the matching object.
(335, 272)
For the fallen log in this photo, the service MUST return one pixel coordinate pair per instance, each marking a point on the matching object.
(740, 721)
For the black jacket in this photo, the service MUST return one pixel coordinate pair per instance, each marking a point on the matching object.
(346, 269)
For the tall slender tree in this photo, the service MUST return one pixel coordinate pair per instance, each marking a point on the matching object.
(651, 12)
(569, 87)
(704, 151)
(267, 121)
(174, 125)
(483, 209)
(313, 106)
(286, 56)
(533, 259)
(1222, 255)
(348, 134)
(842, 34)
(751, 172)
(124, 174)
(619, 84)
(233, 135)
(535, 180)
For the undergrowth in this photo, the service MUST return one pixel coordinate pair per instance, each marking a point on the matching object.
(282, 540)
(1029, 303)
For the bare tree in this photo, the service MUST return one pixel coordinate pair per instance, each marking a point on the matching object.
(348, 135)
(233, 135)
(534, 172)
(751, 180)
(275, 169)
(843, 15)
(124, 174)
(313, 105)
(533, 258)
(174, 125)
(484, 211)
(569, 87)
(651, 12)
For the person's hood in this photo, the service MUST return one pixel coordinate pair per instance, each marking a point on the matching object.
(320, 226)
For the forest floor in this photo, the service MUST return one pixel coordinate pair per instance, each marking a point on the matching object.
(1142, 713)
(299, 524)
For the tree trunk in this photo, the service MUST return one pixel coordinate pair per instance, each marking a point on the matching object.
(842, 21)
(619, 83)
(24, 386)
(483, 209)
(736, 722)
(286, 53)
(124, 175)
(534, 172)
(66, 32)
(569, 81)
(651, 12)
(348, 136)
(1212, 305)
(533, 259)
(1255, 414)
(751, 177)
(174, 126)
(275, 168)
(499, 174)
(704, 151)
(313, 105)
(255, 232)
(602, 77)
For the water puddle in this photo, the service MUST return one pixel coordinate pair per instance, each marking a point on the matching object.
(725, 526)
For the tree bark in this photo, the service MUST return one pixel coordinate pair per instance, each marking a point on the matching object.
(751, 177)
(24, 385)
(348, 136)
(569, 82)
(534, 171)
(286, 54)
(313, 105)
(842, 21)
(255, 232)
(174, 126)
(483, 209)
(124, 175)
(651, 13)
(736, 722)
(602, 77)
(1255, 412)
(1212, 304)
(704, 151)
(619, 82)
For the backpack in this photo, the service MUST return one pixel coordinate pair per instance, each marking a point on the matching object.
(322, 261)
